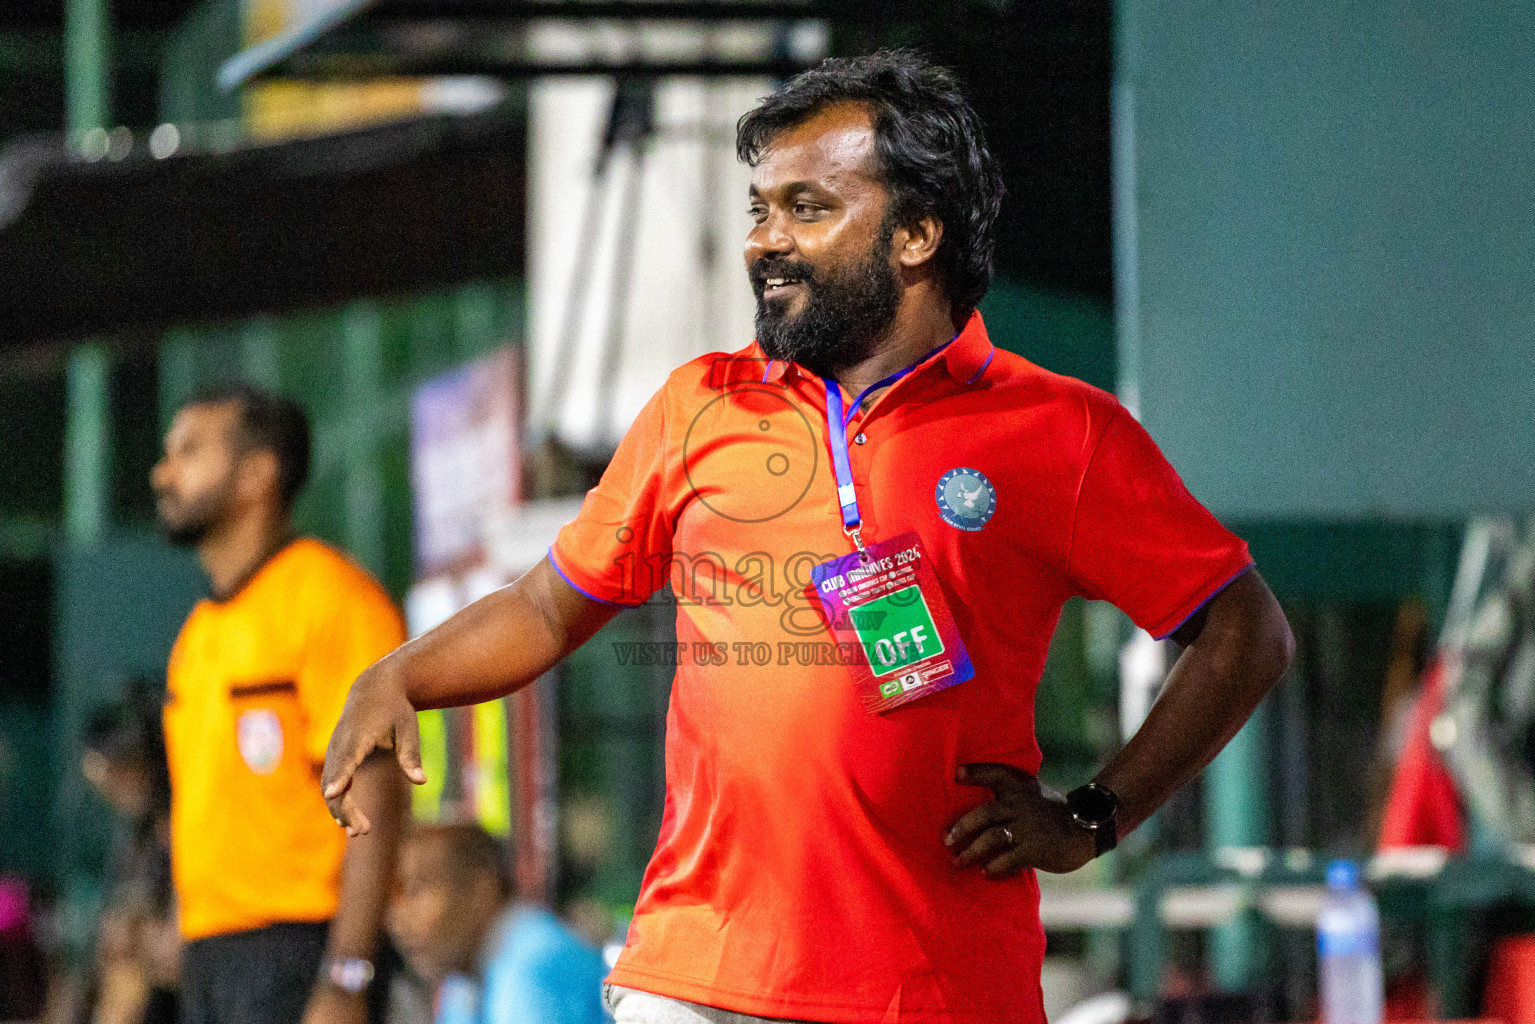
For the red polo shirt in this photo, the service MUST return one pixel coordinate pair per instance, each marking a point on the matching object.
(799, 871)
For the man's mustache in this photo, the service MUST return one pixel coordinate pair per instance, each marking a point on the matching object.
(769, 267)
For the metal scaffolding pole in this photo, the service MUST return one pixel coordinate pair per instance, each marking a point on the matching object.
(87, 68)
(1237, 816)
(88, 430)
(88, 445)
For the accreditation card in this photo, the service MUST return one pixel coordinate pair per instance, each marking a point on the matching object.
(887, 603)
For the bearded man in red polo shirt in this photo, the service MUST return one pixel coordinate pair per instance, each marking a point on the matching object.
(870, 519)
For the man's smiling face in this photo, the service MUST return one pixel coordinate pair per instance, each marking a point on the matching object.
(819, 253)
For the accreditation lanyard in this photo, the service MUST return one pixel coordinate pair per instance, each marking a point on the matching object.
(883, 602)
(847, 496)
(836, 431)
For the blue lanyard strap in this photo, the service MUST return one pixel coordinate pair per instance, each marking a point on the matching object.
(836, 430)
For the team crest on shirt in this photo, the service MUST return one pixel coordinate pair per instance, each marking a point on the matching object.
(966, 499)
(259, 734)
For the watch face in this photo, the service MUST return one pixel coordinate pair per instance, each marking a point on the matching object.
(1092, 806)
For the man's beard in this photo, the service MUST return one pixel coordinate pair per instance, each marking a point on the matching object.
(844, 316)
(189, 525)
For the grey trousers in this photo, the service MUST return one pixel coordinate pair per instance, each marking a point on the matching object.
(630, 1006)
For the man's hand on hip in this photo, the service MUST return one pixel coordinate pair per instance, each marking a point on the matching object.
(1026, 825)
(377, 716)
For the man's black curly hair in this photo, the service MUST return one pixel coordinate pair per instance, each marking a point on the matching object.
(930, 144)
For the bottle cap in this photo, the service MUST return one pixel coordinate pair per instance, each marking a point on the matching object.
(1343, 874)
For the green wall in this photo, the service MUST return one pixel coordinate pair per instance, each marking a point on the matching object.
(1324, 260)
(207, 37)
(118, 607)
(1065, 332)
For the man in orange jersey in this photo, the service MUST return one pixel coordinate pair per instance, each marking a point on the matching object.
(281, 913)
(891, 512)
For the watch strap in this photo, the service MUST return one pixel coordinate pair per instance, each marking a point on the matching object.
(1105, 838)
(1104, 829)
(352, 975)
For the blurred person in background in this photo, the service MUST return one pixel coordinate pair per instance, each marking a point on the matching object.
(138, 954)
(280, 911)
(491, 959)
(24, 981)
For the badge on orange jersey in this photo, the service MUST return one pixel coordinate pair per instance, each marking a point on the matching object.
(886, 600)
(259, 735)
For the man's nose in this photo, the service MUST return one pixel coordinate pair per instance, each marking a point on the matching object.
(768, 239)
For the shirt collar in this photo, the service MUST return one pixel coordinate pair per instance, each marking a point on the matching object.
(776, 368)
(970, 353)
(966, 357)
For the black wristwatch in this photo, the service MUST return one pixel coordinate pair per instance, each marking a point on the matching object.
(1095, 808)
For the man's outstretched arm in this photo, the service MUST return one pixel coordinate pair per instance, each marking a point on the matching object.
(499, 643)
(1235, 649)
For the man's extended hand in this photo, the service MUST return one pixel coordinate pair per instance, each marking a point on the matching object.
(377, 716)
(1042, 833)
(505, 640)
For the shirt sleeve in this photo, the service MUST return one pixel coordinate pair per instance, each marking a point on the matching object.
(617, 548)
(354, 627)
(1140, 540)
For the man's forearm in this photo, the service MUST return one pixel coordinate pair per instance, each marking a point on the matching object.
(1242, 648)
(368, 869)
(499, 643)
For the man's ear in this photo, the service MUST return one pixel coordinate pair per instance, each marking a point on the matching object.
(916, 242)
(258, 474)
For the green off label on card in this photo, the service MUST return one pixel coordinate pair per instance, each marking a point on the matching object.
(896, 630)
(888, 601)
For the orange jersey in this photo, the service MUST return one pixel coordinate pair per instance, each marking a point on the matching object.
(799, 871)
(255, 685)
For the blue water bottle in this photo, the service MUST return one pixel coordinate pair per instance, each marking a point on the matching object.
(1348, 950)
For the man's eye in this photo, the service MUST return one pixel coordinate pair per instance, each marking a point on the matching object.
(805, 210)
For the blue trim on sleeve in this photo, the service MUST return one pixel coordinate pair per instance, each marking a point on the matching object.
(582, 590)
(1208, 598)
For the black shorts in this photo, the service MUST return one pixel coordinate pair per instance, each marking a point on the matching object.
(264, 976)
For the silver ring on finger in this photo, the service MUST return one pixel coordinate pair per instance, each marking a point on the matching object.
(1011, 841)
